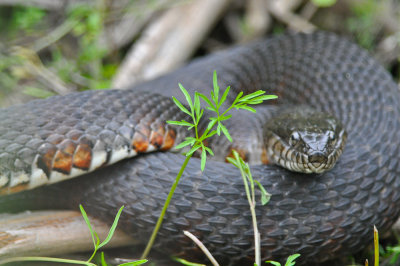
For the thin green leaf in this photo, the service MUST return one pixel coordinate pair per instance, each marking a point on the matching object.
(203, 159)
(232, 161)
(180, 123)
(187, 96)
(237, 98)
(201, 115)
(211, 109)
(92, 232)
(248, 108)
(183, 108)
(251, 95)
(290, 260)
(197, 106)
(216, 87)
(185, 143)
(213, 97)
(209, 151)
(102, 259)
(187, 263)
(265, 196)
(254, 102)
(207, 135)
(112, 229)
(225, 131)
(212, 133)
(193, 149)
(273, 262)
(206, 100)
(264, 98)
(212, 122)
(223, 98)
(224, 117)
(134, 263)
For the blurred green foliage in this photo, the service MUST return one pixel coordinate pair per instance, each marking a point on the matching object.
(72, 52)
(324, 3)
(364, 24)
(26, 18)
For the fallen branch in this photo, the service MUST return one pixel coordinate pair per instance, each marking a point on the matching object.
(169, 41)
(45, 233)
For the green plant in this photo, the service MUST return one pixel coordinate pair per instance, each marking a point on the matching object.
(250, 192)
(215, 126)
(96, 243)
(289, 262)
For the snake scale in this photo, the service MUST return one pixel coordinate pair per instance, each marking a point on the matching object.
(319, 216)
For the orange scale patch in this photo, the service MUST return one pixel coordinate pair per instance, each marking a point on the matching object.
(140, 142)
(82, 157)
(45, 161)
(169, 140)
(63, 158)
(157, 137)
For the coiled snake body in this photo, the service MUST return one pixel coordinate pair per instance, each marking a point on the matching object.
(319, 216)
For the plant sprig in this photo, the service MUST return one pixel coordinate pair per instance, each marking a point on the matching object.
(195, 112)
(250, 192)
(214, 105)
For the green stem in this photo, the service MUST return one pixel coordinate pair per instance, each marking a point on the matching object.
(252, 203)
(166, 204)
(45, 259)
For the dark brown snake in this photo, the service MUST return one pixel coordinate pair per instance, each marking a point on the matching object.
(319, 216)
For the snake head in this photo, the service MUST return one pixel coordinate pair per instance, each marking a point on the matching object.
(304, 140)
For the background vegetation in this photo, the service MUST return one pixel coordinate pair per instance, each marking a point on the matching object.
(57, 47)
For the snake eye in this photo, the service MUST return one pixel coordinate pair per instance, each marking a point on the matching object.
(294, 138)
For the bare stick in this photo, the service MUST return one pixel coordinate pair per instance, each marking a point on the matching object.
(202, 247)
(284, 13)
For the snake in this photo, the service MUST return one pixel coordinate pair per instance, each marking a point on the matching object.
(321, 215)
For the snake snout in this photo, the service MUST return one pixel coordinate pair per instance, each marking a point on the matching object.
(318, 158)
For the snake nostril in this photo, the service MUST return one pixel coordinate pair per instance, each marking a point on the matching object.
(317, 158)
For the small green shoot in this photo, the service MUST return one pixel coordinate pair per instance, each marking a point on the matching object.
(186, 262)
(376, 247)
(265, 197)
(289, 262)
(95, 237)
(96, 242)
(195, 112)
